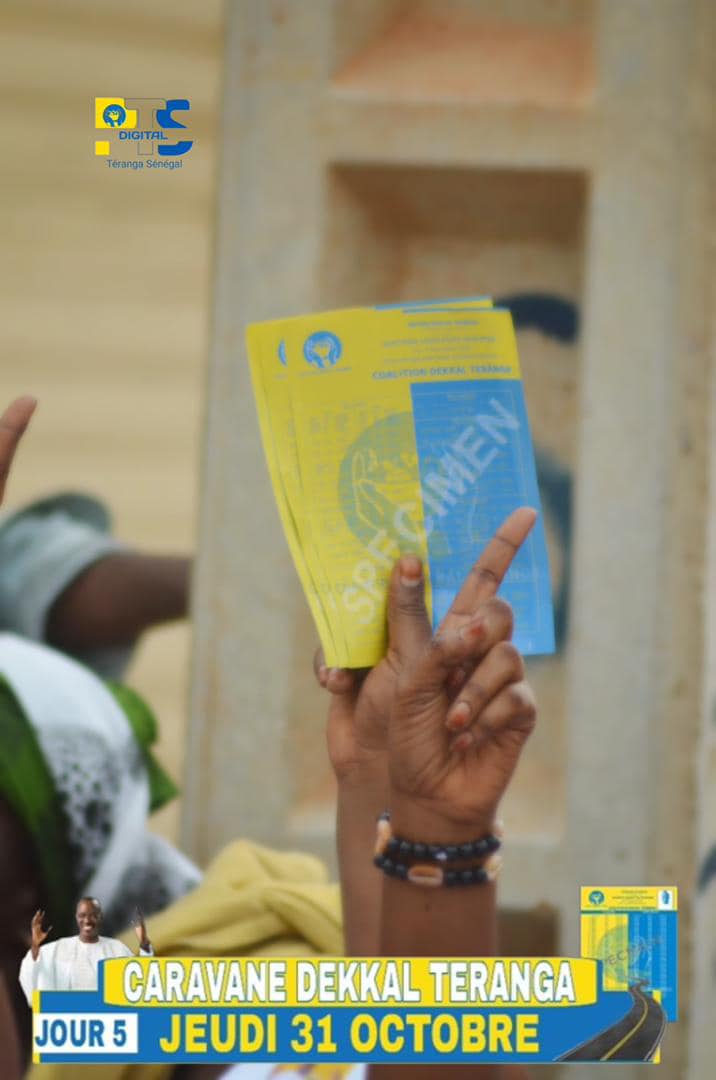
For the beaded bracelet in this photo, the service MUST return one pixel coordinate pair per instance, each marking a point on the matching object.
(398, 847)
(430, 876)
(391, 853)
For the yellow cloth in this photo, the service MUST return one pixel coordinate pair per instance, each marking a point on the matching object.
(251, 902)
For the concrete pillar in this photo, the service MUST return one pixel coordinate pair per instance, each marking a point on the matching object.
(374, 152)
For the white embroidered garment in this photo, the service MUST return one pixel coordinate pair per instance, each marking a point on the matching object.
(102, 782)
(68, 964)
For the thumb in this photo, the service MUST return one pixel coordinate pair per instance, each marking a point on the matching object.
(408, 623)
(343, 702)
(341, 683)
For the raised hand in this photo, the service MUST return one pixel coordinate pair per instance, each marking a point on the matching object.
(38, 934)
(361, 700)
(140, 929)
(460, 715)
(12, 426)
(361, 703)
(449, 757)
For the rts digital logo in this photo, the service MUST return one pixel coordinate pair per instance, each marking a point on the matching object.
(141, 132)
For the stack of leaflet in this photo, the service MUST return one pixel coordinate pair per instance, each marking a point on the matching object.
(393, 430)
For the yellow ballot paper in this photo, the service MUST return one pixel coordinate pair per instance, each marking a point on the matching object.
(271, 390)
(390, 430)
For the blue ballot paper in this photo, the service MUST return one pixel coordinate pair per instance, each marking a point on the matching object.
(473, 442)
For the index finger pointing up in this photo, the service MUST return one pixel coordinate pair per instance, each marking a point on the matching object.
(12, 424)
(488, 572)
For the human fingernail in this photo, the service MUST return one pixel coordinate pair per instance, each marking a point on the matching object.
(337, 676)
(474, 629)
(411, 571)
(463, 742)
(459, 716)
(322, 674)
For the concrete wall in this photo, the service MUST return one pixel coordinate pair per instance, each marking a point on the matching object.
(389, 150)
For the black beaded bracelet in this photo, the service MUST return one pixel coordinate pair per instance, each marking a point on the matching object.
(400, 849)
(430, 876)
